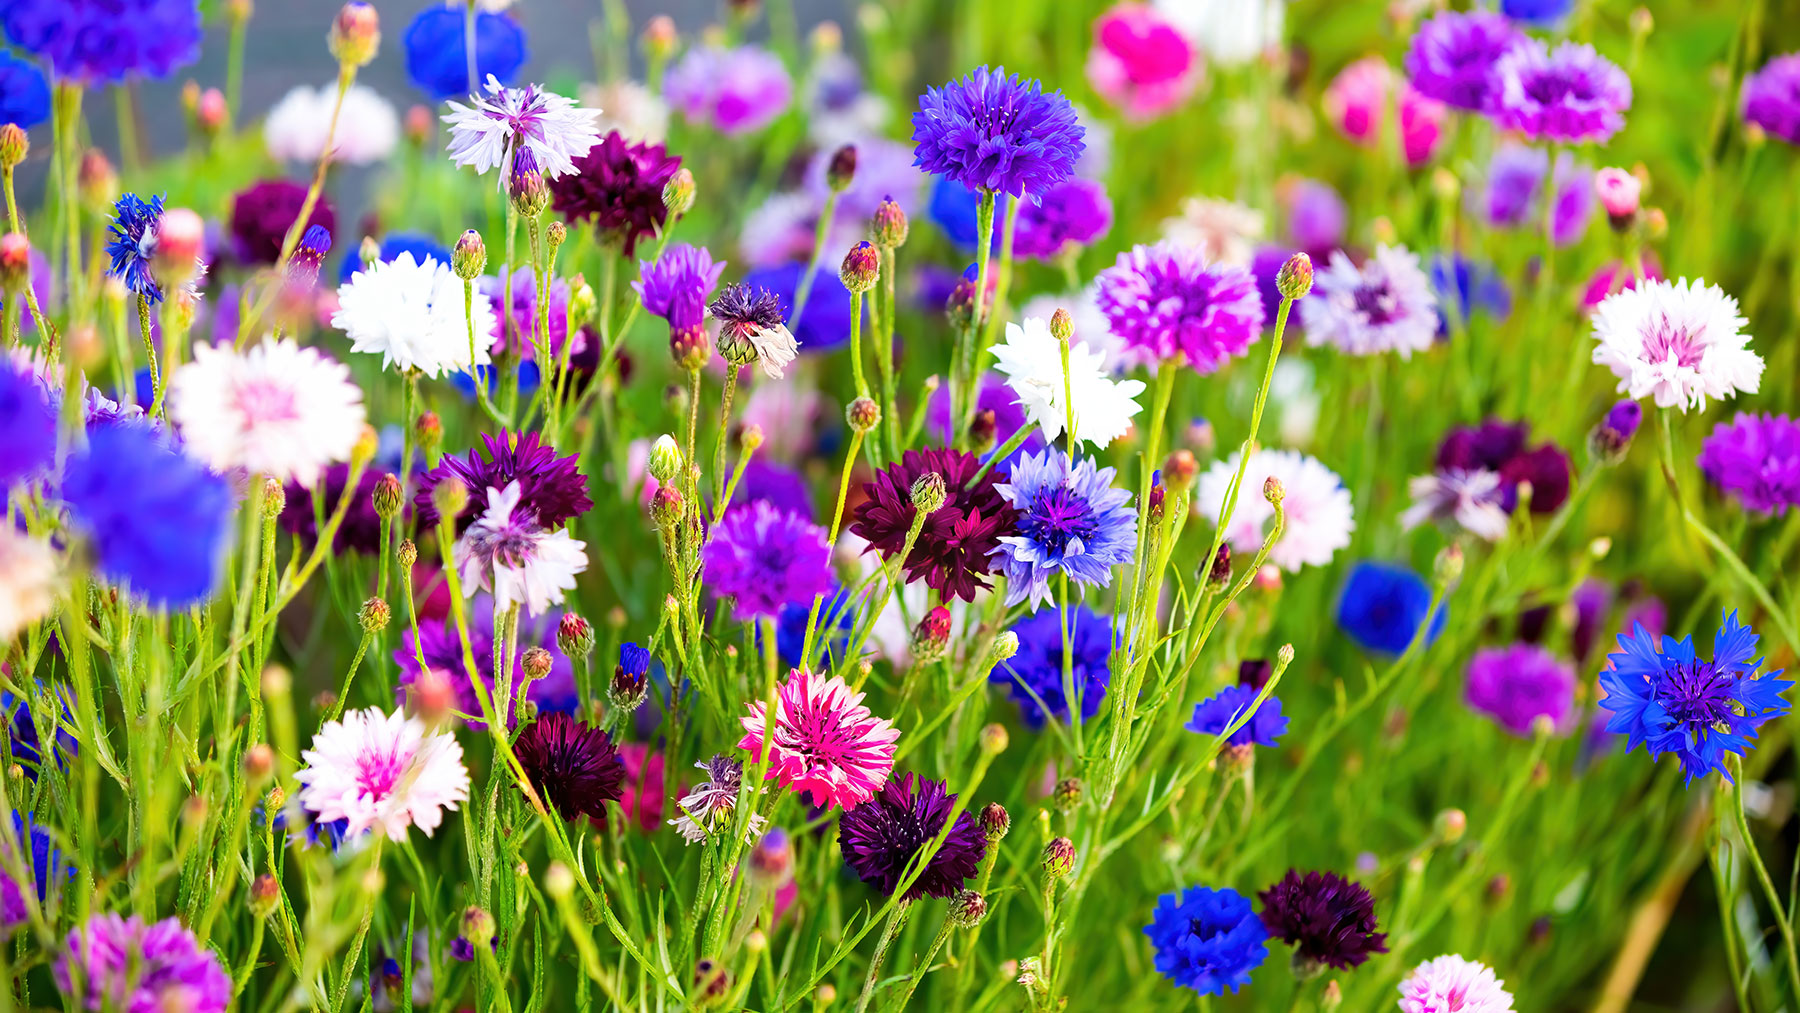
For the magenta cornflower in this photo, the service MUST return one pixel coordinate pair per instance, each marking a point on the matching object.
(765, 559)
(1771, 98)
(1166, 301)
(1570, 94)
(127, 965)
(1519, 684)
(1358, 101)
(1141, 63)
(824, 743)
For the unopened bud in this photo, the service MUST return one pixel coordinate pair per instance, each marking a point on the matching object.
(574, 637)
(660, 37)
(555, 234)
(863, 414)
(931, 638)
(265, 895)
(888, 227)
(584, 306)
(1451, 824)
(841, 170)
(1067, 795)
(180, 241)
(276, 682)
(1296, 277)
(477, 927)
(355, 34)
(407, 554)
(535, 663)
(211, 111)
(1448, 565)
(1179, 470)
(862, 266)
(420, 125)
(666, 507)
(1332, 997)
(1619, 192)
(428, 432)
(967, 909)
(15, 262)
(993, 739)
(450, 497)
(469, 258)
(525, 185)
(772, 859)
(1273, 490)
(1059, 858)
(374, 616)
(259, 762)
(928, 492)
(1004, 647)
(98, 181)
(678, 193)
(559, 882)
(1612, 437)
(1218, 572)
(14, 145)
(665, 459)
(1062, 325)
(386, 497)
(433, 697)
(984, 430)
(995, 821)
(368, 441)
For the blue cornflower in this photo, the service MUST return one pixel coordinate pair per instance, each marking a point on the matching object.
(1670, 701)
(837, 620)
(309, 253)
(27, 427)
(24, 94)
(89, 41)
(392, 246)
(992, 132)
(135, 222)
(1071, 522)
(22, 727)
(952, 208)
(157, 518)
(1539, 13)
(1035, 672)
(46, 865)
(1466, 286)
(1207, 940)
(437, 52)
(1383, 605)
(1214, 715)
(633, 659)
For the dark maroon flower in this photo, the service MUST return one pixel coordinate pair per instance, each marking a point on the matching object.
(1501, 447)
(262, 215)
(361, 530)
(880, 838)
(549, 486)
(1328, 919)
(953, 549)
(575, 768)
(618, 187)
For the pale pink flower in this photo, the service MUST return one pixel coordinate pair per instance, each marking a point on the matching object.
(1358, 100)
(277, 409)
(1618, 191)
(825, 743)
(382, 770)
(1319, 513)
(1141, 63)
(1451, 984)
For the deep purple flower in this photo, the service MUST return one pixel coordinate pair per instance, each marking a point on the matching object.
(1454, 55)
(677, 285)
(441, 646)
(1165, 300)
(880, 838)
(1570, 94)
(1500, 447)
(127, 965)
(992, 132)
(994, 396)
(1771, 97)
(955, 547)
(1034, 675)
(735, 91)
(1216, 713)
(576, 768)
(1755, 459)
(1072, 522)
(361, 529)
(27, 427)
(1513, 194)
(262, 214)
(1328, 919)
(523, 326)
(90, 41)
(1621, 424)
(1075, 212)
(1516, 685)
(133, 244)
(617, 189)
(766, 559)
(550, 486)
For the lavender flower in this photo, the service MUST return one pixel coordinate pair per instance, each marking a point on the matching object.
(1075, 212)
(1519, 684)
(676, 286)
(1071, 522)
(1755, 460)
(997, 133)
(1166, 300)
(1384, 306)
(27, 427)
(1570, 94)
(1453, 58)
(1771, 98)
(734, 91)
(766, 559)
(1514, 192)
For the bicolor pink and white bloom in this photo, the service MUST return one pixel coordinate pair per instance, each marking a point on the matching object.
(1224, 231)
(386, 771)
(1450, 984)
(412, 314)
(1318, 508)
(1678, 343)
(1141, 63)
(1619, 192)
(276, 409)
(1358, 101)
(1470, 499)
(824, 742)
(485, 133)
(297, 128)
(508, 553)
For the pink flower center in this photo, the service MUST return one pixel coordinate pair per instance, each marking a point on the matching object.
(265, 401)
(1665, 338)
(379, 772)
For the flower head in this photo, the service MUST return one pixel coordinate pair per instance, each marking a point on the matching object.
(1519, 179)
(27, 426)
(735, 91)
(616, 187)
(440, 646)
(712, 805)
(1383, 606)
(133, 244)
(576, 768)
(1357, 102)
(391, 247)
(24, 94)
(1678, 343)
(1219, 711)
(992, 132)
(1386, 305)
(298, 127)
(1328, 919)
(278, 409)
(751, 328)
(436, 44)
(412, 313)
(824, 742)
(1516, 685)
(1319, 513)
(1451, 984)
(1222, 230)
(676, 285)
(126, 965)
(1073, 213)
(1472, 500)
(766, 558)
(1667, 699)
(262, 213)
(1207, 940)
(485, 133)
(1770, 97)
(1570, 94)
(509, 552)
(1032, 360)
(1141, 63)
(1755, 459)
(1071, 521)
(552, 490)
(1034, 674)
(1454, 55)
(957, 542)
(1166, 300)
(382, 770)
(880, 839)
(94, 41)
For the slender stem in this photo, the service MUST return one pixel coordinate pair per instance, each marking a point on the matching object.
(856, 370)
(1736, 771)
(804, 289)
(896, 918)
(469, 51)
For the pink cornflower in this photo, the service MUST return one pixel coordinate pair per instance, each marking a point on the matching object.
(1451, 984)
(385, 770)
(1141, 63)
(1357, 101)
(825, 742)
(1619, 192)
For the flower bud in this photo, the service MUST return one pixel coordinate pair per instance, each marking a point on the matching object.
(665, 459)
(1157, 497)
(428, 432)
(1612, 437)
(967, 909)
(995, 821)
(1450, 825)
(1332, 997)
(660, 37)
(1004, 647)
(559, 881)
(888, 227)
(678, 193)
(477, 927)
(772, 859)
(420, 125)
(210, 114)
(1449, 565)
(1067, 795)
(14, 145)
(862, 265)
(355, 34)
(555, 234)
(689, 347)
(432, 696)
(983, 431)
(374, 616)
(386, 497)
(863, 414)
(712, 984)
(97, 180)
(1179, 470)
(666, 508)
(931, 638)
(469, 258)
(450, 497)
(841, 170)
(1267, 579)
(1218, 573)
(993, 739)
(259, 762)
(265, 895)
(276, 682)
(1059, 858)
(15, 262)
(1296, 277)
(1284, 655)
(573, 636)
(1656, 224)
(1273, 490)
(525, 185)
(1641, 21)
(1062, 325)
(584, 306)
(369, 251)
(535, 663)
(1619, 192)
(407, 553)
(928, 492)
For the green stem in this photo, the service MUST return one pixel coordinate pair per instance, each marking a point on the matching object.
(1736, 773)
(804, 289)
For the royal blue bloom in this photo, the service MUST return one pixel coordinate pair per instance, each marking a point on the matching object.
(1071, 522)
(46, 862)
(992, 132)
(491, 379)
(1207, 940)
(1216, 714)
(133, 243)
(1383, 605)
(633, 659)
(1467, 286)
(1541, 13)
(27, 427)
(826, 323)
(24, 94)
(952, 208)
(1669, 700)
(1035, 672)
(157, 519)
(437, 54)
(89, 41)
(837, 621)
(392, 246)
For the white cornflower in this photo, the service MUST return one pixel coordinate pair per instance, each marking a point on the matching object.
(712, 805)
(368, 128)
(1319, 515)
(485, 133)
(1031, 358)
(411, 313)
(276, 409)
(637, 113)
(1386, 305)
(1223, 230)
(1471, 499)
(28, 568)
(1676, 342)
(382, 770)
(515, 558)
(1091, 325)
(1231, 32)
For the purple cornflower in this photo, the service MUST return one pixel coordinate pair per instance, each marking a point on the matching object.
(677, 285)
(552, 490)
(1075, 212)
(133, 244)
(617, 189)
(441, 647)
(125, 964)
(1569, 94)
(1317, 217)
(734, 91)
(523, 327)
(1519, 684)
(525, 128)
(1328, 919)
(766, 558)
(361, 528)
(1386, 305)
(262, 213)
(1034, 674)
(27, 427)
(1071, 522)
(1454, 55)
(89, 41)
(1500, 447)
(1755, 459)
(1615, 431)
(997, 133)
(1771, 97)
(1513, 193)
(1216, 713)
(1669, 700)
(1165, 300)
(880, 838)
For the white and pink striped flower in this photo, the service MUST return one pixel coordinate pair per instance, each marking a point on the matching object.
(825, 743)
(382, 770)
